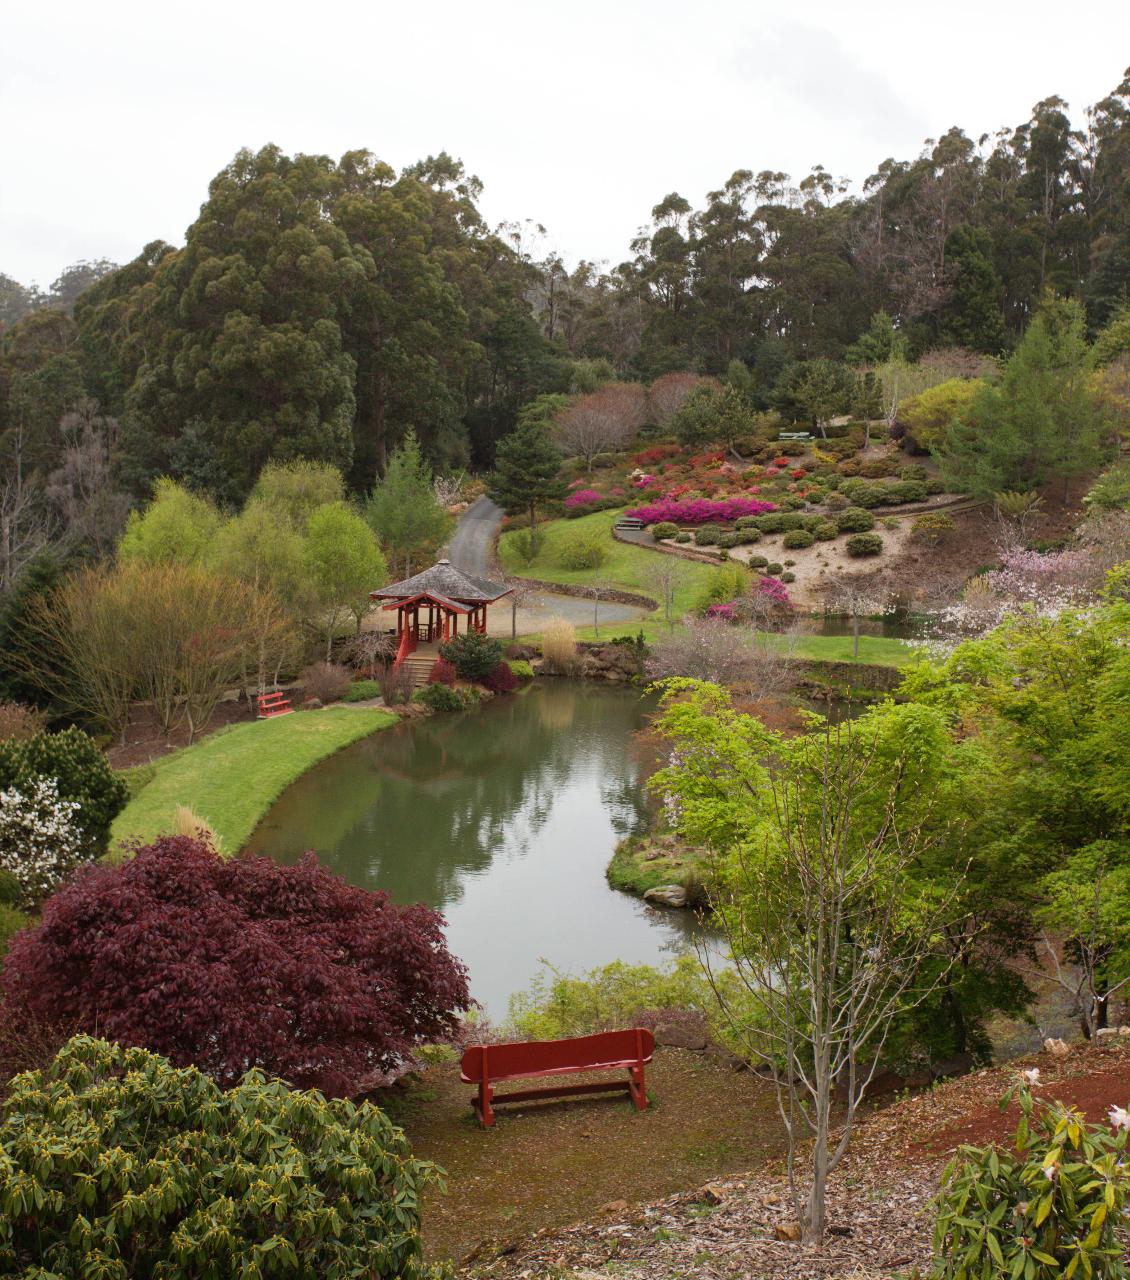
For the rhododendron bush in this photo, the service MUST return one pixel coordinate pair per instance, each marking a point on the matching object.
(700, 510)
(235, 963)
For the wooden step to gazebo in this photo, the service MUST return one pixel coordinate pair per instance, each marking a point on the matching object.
(419, 666)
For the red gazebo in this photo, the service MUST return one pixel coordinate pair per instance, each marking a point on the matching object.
(429, 605)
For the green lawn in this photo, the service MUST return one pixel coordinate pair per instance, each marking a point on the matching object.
(628, 567)
(234, 776)
(632, 568)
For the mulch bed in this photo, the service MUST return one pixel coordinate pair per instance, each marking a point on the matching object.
(145, 739)
(880, 1209)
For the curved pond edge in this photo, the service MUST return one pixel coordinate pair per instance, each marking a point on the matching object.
(232, 777)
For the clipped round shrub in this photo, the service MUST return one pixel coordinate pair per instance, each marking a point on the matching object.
(823, 530)
(363, 690)
(683, 538)
(664, 529)
(862, 493)
(788, 576)
(835, 501)
(877, 467)
(904, 491)
(473, 655)
(934, 486)
(791, 520)
(258, 1180)
(439, 697)
(708, 535)
(500, 680)
(772, 522)
(773, 570)
(758, 562)
(730, 540)
(793, 503)
(521, 668)
(231, 963)
(864, 544)
(747, 522)
(746, 537)
(442, 672)
(914, 471)
(795, 539)
(581, 551)
(854, 520)
(81, 774)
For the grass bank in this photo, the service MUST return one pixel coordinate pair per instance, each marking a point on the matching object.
(232, 777)
(641, 863)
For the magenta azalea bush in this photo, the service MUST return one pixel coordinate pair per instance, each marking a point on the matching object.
(698, 510)
(775, 590)
(583, 498)
(724, 612)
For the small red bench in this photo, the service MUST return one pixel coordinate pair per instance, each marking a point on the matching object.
(488, 1064)
(273, 704)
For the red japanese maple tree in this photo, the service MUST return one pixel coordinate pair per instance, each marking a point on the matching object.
(235, 963)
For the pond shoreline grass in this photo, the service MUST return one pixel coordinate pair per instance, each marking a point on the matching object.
(232, 777)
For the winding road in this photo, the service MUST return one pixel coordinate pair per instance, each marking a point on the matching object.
(472, 549)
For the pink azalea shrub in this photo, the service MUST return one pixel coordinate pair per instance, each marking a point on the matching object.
(724, 612)
(582, 498)
(644, 482)
(699, 510)
(774, 590)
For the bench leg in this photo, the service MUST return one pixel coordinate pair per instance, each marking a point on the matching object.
(636, 1088)
(482, 1105)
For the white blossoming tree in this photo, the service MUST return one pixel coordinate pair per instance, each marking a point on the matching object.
(40, 843)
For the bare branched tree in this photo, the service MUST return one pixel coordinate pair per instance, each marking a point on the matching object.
(606, 419)
(26, 526)
(665, 577)
(92, 509)
(726, 654)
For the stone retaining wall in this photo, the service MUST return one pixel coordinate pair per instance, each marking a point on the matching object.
(585, 593)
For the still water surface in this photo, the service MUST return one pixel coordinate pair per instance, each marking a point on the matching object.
(504, 818)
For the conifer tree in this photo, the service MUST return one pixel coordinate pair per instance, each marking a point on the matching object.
(526, 472)
(403, 509)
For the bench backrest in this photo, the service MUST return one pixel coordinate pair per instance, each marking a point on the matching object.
(540, 1057)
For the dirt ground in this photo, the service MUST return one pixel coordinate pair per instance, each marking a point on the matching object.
(880, 1210)
(547, 1164)
(145, 740)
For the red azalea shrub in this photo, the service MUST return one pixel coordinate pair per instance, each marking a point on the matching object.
(442, 672)
(501, 680)
(783, 461)
(231, 963)
(657, 453)
(582, 498)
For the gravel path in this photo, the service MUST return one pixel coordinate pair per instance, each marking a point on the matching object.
(472, 549)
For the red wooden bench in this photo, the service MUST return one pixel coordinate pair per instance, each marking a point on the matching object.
(273, 704)
(487, 1064)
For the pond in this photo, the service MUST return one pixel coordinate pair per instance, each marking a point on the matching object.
(504, 818)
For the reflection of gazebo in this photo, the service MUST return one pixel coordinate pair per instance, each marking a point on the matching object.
(444, 594)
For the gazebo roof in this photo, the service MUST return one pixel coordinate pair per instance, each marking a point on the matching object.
(443, 579)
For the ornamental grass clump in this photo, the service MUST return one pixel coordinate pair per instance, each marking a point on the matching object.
(1050, 1207)
(559, 646)
(119, 1164)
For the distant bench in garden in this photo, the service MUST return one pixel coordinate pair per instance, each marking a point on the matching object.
(803, 436)
(488, 1064)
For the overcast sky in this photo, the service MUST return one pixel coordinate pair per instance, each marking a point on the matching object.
(579, 115)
